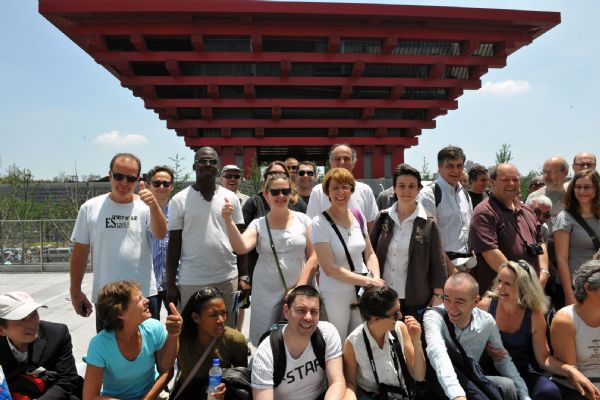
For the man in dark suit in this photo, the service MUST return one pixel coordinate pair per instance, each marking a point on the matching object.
(26, 344)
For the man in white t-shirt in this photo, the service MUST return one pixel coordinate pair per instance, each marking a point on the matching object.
(304, 378)
(198, 242)
(117, 228)
(344, 156)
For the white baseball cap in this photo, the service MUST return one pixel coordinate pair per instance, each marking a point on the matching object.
(17, 305)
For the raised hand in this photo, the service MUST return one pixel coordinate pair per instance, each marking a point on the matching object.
(146, 195)
(174, 321)
(227, 210)
(414, 328)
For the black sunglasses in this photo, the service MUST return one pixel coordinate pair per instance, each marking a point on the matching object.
(525, 266)
(117, 176)
(292, 167)
(397, 316)
(538, 213)
(304, 172)
(206, 161)
(232, 176)
(157, 184)
(277, 192)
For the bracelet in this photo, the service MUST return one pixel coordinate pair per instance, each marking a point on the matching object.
(545, 271)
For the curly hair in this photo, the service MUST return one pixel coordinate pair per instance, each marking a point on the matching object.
(529, 291)
(113, 301)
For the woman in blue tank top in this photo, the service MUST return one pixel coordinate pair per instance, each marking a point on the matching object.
(518, 304)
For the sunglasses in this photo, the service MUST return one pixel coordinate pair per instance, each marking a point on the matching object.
(157, 184)
(206, 161)
(117, 176)
(538, 213)
(524, 265)
(232, 176)
(292, 167)
(397, 316)
(277, 192)
(304, 172)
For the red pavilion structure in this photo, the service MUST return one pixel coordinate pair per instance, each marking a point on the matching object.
(275, 79)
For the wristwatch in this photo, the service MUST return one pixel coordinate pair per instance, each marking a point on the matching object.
(545, 271)
(245, 279)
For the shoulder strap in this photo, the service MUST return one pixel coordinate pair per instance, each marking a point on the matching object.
(285, 288)
(339, 235)
(437, 193)
(586, 227)
(279, 357)
(318, 344)
(357, 214)
(370, 354)
(192, 373)
(397, 349)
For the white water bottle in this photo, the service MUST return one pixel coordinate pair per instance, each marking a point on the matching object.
(214, 378)
(4, 393)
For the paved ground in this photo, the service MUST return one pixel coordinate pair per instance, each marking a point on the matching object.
(52, 289)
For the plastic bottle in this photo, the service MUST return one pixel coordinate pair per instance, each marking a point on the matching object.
(4, 393)
(214, 378)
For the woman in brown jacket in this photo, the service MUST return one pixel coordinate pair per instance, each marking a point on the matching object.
(407, 243)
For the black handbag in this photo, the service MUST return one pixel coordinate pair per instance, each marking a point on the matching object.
(468, 371)
(237, 383)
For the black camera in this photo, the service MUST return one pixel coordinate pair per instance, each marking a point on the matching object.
(534, 249)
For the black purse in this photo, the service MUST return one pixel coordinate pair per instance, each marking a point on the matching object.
(387, 392)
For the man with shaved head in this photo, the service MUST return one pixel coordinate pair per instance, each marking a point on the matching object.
(555, 171)
(504, 229)
(581, 161)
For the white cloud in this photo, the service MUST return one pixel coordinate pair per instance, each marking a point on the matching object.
(114, 138)
(507, 88)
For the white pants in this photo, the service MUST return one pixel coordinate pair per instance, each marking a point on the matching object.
(228, 288)
(337, 305)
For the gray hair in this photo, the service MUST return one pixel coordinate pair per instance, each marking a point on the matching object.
(541, 199)
(335, 146)
(587, 273)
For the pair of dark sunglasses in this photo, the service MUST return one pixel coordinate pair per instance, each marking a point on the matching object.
(117, 176)
(303, 172)
(292, 167)
(232, 176)
(157, 184)
(277, 192)
(538, 213)
(206, 161)
(397, 316)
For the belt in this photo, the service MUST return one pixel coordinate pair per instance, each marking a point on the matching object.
(453, 256)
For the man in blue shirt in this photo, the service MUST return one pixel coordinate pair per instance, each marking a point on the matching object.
(161, 181)
(474, 328)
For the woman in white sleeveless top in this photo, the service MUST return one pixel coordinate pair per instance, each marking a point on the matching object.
(575, 332)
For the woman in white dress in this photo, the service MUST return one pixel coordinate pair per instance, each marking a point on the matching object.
(290, 231)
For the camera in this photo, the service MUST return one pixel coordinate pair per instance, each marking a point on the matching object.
(534, 249)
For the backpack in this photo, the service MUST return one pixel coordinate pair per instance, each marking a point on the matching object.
(278, 349)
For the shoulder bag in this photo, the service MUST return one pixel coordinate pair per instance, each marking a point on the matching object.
(285, 287)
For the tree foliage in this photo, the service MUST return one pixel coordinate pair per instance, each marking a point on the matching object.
(504, 154)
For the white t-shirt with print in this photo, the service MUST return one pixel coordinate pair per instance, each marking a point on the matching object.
(303, 379)
(206, 254)
(119, 238)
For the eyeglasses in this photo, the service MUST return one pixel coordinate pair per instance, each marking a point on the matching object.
(304, 172)
(539, 213)
(583, 188)
(206, 161)
(277, 192)
(585, 164)
(397, 316)
(343, 188)
(292, 167)
(275, 173)
(232, 176)
(117, 176)
(157, 184)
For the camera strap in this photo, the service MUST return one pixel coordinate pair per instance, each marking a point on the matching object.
(586, 227)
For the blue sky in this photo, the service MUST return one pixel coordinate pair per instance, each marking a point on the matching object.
(59, 110)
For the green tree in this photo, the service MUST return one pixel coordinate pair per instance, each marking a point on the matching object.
(180, 176)
(504, 155)
(252, 183)
(426, 171)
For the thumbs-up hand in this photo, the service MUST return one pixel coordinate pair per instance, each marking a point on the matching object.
(227, 210)
(146, 195)
(174, 321)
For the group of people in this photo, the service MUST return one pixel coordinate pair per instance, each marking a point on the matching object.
(463, 270)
